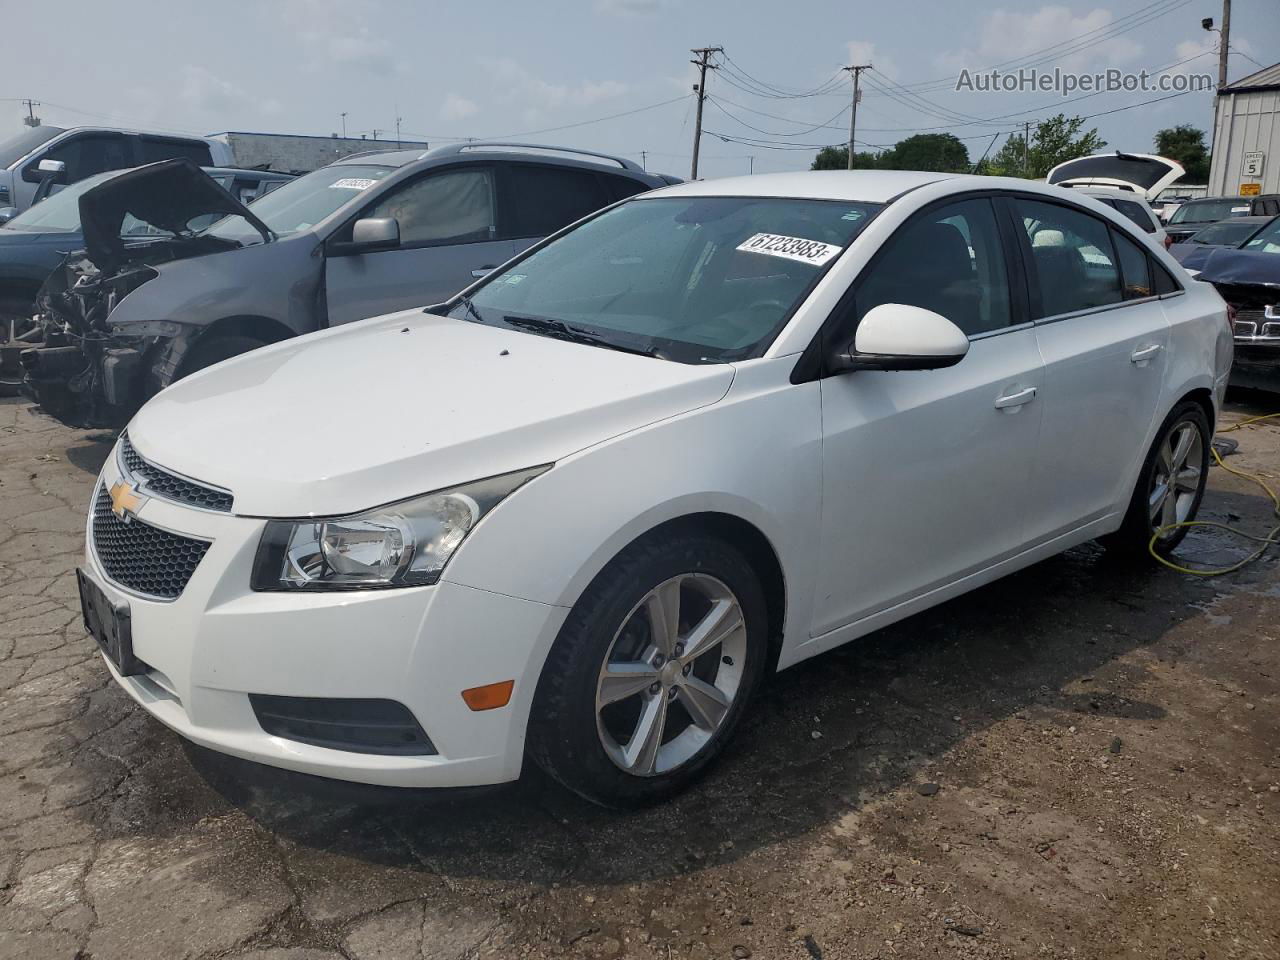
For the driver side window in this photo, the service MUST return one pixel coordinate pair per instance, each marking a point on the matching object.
(455, 206)
(949, 260)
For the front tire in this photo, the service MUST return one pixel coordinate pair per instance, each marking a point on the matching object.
(1170, 485)
(652, 671)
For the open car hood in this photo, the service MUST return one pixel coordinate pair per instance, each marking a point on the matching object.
(1143, 173)
(167, 195)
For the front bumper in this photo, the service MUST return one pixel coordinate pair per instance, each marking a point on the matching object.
(219, 642)
(1257, 348)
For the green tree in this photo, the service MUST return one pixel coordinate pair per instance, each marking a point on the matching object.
(1053, 141)
(941, 152)
(837, 158)
(1185, 144)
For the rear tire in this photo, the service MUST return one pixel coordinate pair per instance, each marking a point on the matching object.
(621, 668)
(1170, 485)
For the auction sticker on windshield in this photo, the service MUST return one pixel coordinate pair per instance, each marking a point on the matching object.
(793, 248)
(352, 183)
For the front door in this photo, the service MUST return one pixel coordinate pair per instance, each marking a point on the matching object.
(925, 473)
(1104, 339)
(447, 239)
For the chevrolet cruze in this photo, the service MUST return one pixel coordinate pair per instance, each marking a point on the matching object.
(581, 511)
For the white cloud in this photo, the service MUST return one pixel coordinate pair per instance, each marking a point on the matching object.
(517, 84)
(1007, 35)
(860, 51)
(458, 108)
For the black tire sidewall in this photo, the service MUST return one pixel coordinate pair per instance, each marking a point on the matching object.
(207, 352)
(1135, 534)
(563, 735)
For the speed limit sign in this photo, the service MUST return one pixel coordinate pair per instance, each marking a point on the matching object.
(1252, 165)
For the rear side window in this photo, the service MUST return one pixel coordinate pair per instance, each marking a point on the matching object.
(1073, 259)
(1135, 267)
(1137, 213)
(544, 199)
(154, 149)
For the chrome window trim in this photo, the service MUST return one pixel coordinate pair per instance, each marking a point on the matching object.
(998, 331)
(1059, 317)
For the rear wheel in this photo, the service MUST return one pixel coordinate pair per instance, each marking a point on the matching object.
(1170, 485)
(651, 672)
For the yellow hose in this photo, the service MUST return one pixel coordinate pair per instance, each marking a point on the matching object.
(1271, 538)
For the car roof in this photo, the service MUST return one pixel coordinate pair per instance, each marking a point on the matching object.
(479, 151)
(865, 186)
(246, 172)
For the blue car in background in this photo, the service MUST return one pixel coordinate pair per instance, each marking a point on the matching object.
(35, 242)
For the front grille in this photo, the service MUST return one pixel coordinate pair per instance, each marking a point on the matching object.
(140, 557)
(158, 482)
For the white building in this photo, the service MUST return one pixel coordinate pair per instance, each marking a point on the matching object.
(1246, 136)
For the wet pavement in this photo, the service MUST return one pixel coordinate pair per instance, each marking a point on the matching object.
(1082, 760)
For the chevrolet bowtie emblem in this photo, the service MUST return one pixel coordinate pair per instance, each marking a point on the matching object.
(125, 503)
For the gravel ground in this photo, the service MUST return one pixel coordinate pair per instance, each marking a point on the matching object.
(1081, 760)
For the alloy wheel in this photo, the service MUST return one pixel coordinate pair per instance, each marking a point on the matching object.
(1176, 479)
(672, 674)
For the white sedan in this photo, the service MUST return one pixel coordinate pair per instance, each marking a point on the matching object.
(579, 513)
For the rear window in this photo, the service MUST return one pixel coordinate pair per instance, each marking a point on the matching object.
(1209, 211)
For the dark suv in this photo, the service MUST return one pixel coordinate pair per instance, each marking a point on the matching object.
(367, 235)
(1195, 214)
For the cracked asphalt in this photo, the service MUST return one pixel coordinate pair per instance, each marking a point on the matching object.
(1103, 741)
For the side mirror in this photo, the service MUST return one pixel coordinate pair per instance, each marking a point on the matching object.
(376, 233)
(7, 214)
(54, 167)
(46, 170)
(896, 336)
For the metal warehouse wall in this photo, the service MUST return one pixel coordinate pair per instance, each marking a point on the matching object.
(1245, 123)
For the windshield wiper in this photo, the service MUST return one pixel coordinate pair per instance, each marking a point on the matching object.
(560, 330)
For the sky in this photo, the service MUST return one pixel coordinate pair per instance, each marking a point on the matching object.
(453, 69)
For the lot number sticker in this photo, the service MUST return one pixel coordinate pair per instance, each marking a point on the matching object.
(792, 248)
(352, 183)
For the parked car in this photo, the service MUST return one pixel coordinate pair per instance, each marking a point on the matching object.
(1248, 277)
(363, 236)
(1195, 215)
(1129, 182)
(700, 436)
(1133, 207)
(34, 243)
(71, 154)
(1225, 233)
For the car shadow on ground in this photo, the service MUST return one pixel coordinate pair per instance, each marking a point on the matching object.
(824, 739)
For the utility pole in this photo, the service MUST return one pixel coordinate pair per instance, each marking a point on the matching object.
(644, 155)
(1224, 46)
(751, 164)
(398, 119)
(704, 53)
(344, 124)
(31, 120)
(856, 73)
(1026, 148)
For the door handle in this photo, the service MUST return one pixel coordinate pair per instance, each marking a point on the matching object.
(1143, 354)
(1018, 399)
(484, 271)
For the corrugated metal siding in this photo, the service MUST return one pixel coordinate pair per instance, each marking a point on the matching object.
(1264, 77)
(1246, 122)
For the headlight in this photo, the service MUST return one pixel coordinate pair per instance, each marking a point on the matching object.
(402, 544)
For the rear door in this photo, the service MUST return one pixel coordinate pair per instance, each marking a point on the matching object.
(1104, 338)
(448, 237)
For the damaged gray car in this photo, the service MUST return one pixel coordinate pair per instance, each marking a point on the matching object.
(367, 235)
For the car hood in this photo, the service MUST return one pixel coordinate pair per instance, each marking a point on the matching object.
(1143, 173)
(396, 406)
(1232, 266)
(167, 195)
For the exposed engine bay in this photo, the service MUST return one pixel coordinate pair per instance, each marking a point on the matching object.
(88, 371)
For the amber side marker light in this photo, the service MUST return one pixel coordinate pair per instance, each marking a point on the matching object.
(490, 696)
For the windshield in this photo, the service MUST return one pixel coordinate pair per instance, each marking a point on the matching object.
(304, 202)
(1227, 233)
(1207, 211)
(1267, 239)
(694, 279)
(59, 212)
(17, 147)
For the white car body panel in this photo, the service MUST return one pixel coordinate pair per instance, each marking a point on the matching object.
(879, 493)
